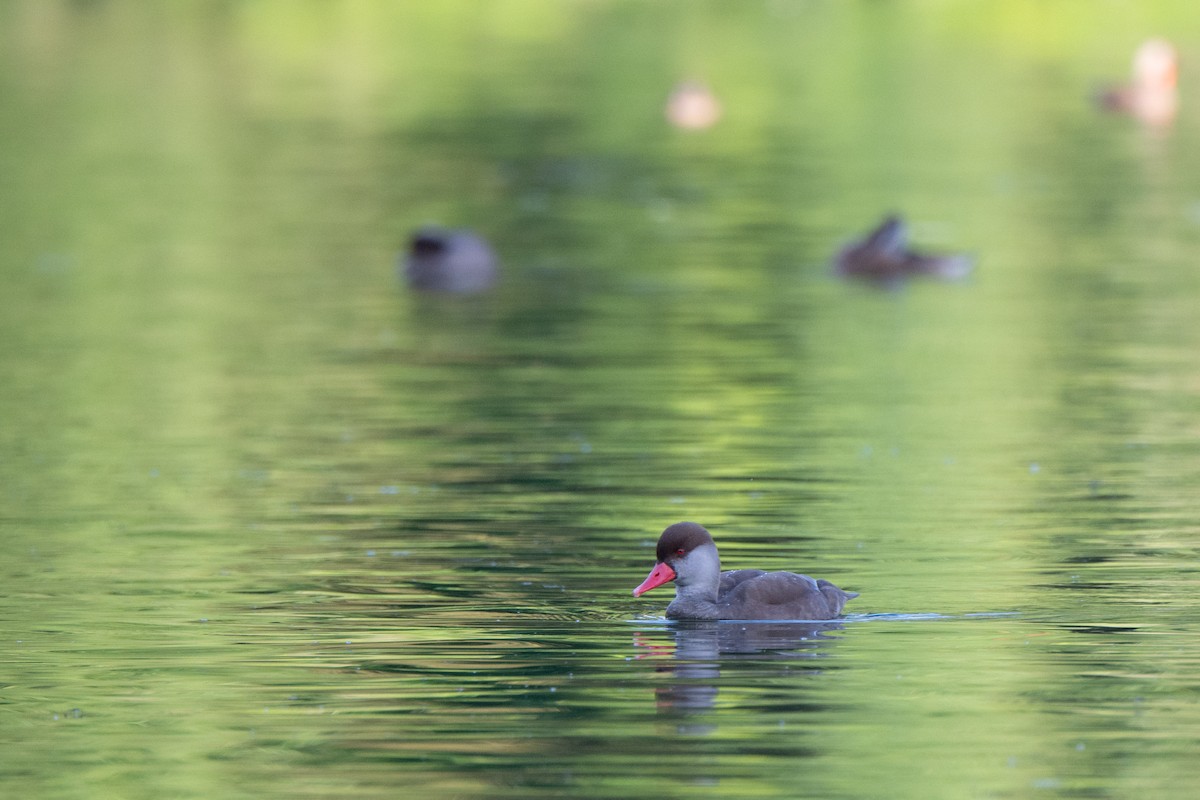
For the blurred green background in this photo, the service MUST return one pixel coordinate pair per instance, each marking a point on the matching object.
(276, 526)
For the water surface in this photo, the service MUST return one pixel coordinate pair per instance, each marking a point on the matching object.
(275, 527)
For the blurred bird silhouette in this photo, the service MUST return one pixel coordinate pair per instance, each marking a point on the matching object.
(1153, 95)
(692, 106)
(456, 261)
(884, 256)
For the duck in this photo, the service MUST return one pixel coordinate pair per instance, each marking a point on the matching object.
(883, 255)
(688, 556)
(1152, 96)
(692, 106)
(445, 260)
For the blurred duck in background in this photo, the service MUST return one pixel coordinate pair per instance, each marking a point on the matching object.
(457, 261)
(884, 256)
(692, 106)
(1153, 95)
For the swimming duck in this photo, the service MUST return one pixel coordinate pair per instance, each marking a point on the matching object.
(883, 255)
(1152, 96)
(456, 261)
(688, 555)
(693, 106)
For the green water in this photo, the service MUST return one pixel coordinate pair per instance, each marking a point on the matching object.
(275, 527)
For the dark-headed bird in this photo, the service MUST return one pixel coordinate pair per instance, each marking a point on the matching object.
(456, 261)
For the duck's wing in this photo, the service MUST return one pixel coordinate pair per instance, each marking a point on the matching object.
(732, 579)
(786, 595)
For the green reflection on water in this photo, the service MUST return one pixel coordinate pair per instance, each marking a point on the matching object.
(275, 527)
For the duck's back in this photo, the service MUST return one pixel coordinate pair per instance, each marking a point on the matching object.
(754, 594)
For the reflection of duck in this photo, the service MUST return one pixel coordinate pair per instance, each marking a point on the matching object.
(884, 256)
(702, 647)
(693, 106)
(449, 261)
(733, 639)
(687, 555)
(1152, 96)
